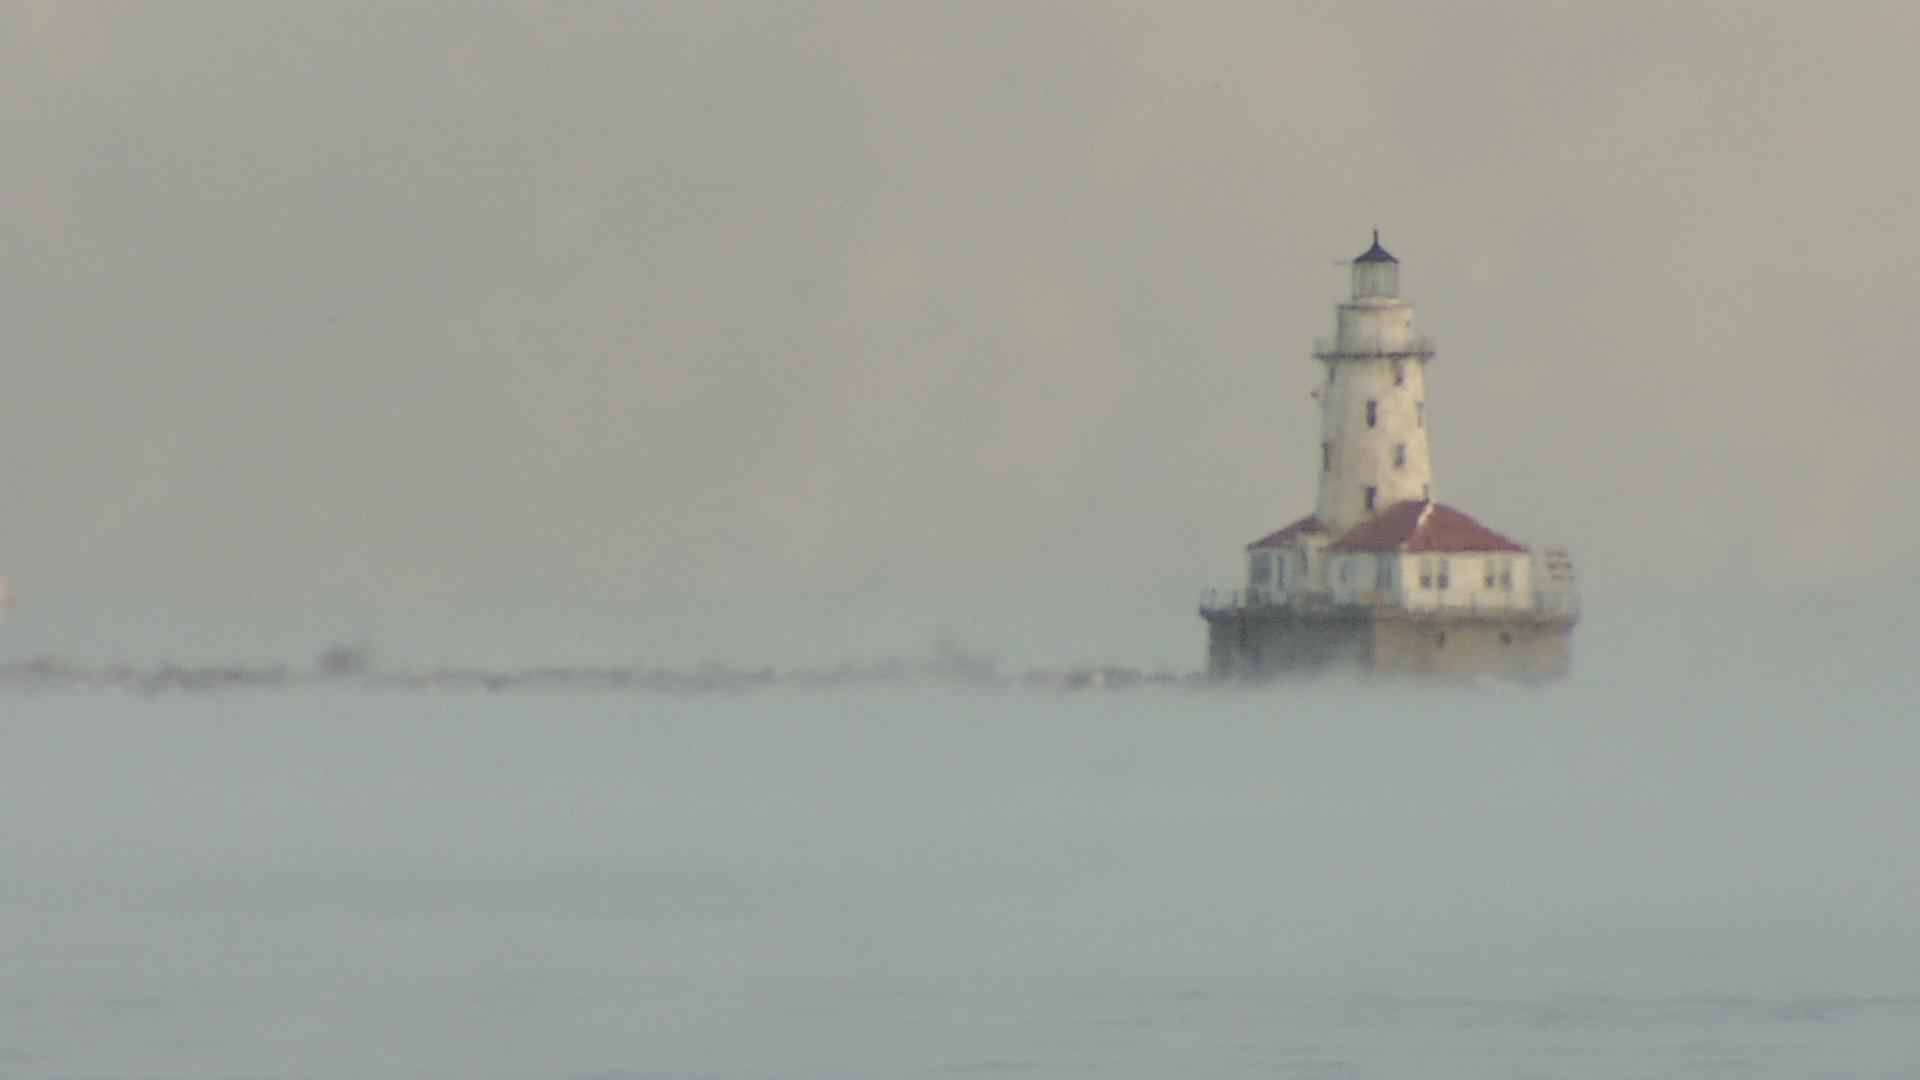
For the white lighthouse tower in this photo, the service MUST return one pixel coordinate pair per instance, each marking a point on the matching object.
(1373, 413)
(1380, 576)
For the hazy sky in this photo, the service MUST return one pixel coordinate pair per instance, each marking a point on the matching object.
(999, 314)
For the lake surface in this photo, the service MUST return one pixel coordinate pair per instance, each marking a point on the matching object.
(1665, 876)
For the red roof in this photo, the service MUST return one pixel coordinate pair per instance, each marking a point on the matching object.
(1418, 525)
(1306, 526)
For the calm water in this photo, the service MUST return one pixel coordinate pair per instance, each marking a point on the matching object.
(1659, 877)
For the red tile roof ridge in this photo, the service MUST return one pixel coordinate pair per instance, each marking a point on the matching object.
(1306, 526)
(1422, 525)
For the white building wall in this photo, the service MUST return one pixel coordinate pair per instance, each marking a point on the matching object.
(1552, 581)
(1473, 579)
(1268, 575)
(1460, 580)
(1301, 568)
(1365, 577)
(1390, 454)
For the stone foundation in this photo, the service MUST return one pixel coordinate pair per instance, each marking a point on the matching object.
(1264, 642)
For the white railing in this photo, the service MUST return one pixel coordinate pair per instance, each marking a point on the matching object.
(1552, 601)
(1219, 599)
(1555, 602)
(1240, 599)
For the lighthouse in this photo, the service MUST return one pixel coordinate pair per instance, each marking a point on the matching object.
(1373, 413)
(1380, 576)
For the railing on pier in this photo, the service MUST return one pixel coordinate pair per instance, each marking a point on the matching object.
(1551, 601)
(1245, 599)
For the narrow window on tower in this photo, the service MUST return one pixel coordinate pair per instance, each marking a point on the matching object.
(1373, 413)
(1372, 493)
(1399, 373)
(1326, 457)
(1419, 414)
(1399, 455)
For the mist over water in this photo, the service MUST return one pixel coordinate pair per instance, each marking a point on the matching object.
(1695, 858)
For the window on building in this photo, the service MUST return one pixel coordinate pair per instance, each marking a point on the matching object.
(1279, 571)
(1426, 573)
(1262, 568)
(1326, 457)
(1442, 578)
(1506, 574)
(1399, 455)
(1372, 493)
(1373, 413)
(1399, 373)
(1383, 572)
(1419, 414)
(1488, 577)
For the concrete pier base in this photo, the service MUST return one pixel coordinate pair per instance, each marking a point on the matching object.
(1260, 642)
